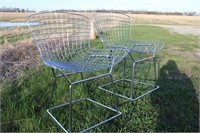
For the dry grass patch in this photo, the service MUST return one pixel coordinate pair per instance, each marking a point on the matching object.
(14, 59)
(14, 16)
(137, 18)
(13, 31)
(21, 17)
(188, 55)
(166, 19)
(197, 52)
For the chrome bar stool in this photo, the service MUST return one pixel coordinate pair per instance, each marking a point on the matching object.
(63, 40)
(114, 30)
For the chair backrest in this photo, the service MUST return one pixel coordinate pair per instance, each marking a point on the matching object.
(114, 29)
(60, 36)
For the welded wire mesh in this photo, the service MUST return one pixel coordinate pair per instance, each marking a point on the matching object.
(146, 46)
(63, 40)
(60, 35)
(113, 28)
(115, 31)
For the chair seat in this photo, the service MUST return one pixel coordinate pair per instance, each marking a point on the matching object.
(89, 60)
(146, 46)
(142, 46)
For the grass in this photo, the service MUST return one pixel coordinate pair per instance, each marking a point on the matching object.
(14, 17)
(172, 108)
(14, 38)
(165, 19)
(137, 18)
(13, 35)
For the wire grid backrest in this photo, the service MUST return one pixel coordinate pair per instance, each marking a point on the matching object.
(60, 36)
(114, 28)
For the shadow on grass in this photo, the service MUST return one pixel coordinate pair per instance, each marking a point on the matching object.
(176, 101)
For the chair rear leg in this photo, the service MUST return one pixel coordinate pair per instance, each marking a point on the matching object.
(54, 86)
(70, 108)
(114, 93)
(154, 64)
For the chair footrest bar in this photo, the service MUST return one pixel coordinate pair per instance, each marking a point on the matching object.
(118, 113)
(154, 87)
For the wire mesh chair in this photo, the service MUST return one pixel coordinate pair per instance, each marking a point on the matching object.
(63, 40)
(114, 30)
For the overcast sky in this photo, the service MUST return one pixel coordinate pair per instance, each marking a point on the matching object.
(150, 5)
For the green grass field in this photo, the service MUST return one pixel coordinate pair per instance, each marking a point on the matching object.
(174, 107)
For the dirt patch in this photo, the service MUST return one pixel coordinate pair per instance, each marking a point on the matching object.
(174, 48)
(181, 29)
(14, 59)
(197, 52)
(186, 54)
(193, 30)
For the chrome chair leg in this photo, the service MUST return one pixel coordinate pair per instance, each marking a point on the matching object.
(70, 103)
(64, 45)
(133, 83)
(114, 94)
(115, 32)
(154, 65)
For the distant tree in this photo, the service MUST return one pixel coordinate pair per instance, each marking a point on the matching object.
(17, 10)
(22, 10)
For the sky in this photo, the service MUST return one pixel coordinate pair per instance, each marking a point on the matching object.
(147, 5)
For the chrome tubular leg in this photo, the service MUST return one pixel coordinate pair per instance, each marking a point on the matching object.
(132, 80)
(132, 84)
(154, 64)
(124, 76)
(54, 74)
(114, 93)
(53, 71)
(85, 91)
(70, 108)
(83, 83)
(54, 85)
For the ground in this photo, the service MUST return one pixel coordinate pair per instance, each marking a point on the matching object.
(173, 108)
(181, 29)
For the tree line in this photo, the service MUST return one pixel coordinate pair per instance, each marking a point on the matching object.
(188, 13)
(11, 9)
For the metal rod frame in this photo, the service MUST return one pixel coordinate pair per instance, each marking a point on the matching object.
(63, 40)
(118, 113)
(119, 37)
(154, 87)
(130, 98)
